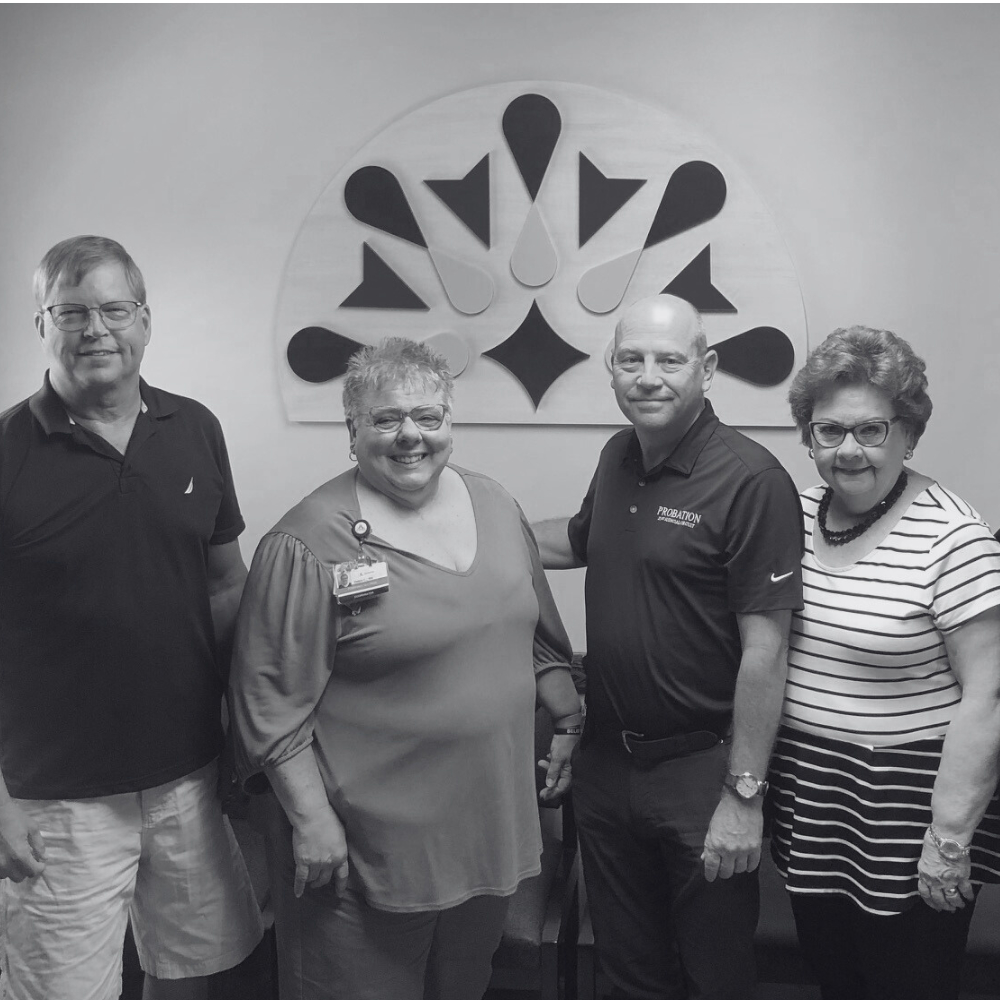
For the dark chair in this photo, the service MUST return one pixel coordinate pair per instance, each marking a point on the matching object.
(537, 953)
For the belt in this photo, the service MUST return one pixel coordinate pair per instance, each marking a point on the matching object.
(652, 751)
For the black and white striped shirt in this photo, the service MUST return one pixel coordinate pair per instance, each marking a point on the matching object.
(867, 659)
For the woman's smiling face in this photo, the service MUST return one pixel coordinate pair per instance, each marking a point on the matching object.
(403, 464)
(859, 476)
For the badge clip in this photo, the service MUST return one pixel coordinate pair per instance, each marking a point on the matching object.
(360, 579)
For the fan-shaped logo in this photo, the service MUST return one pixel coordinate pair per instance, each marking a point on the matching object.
(509, 226)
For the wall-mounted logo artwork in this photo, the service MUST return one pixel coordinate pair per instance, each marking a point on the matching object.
(509, 226)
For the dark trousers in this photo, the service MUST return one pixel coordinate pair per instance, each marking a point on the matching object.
(855, 955)
(336, 947)
(661, 930)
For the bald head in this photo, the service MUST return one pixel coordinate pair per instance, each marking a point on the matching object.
(661, 369)
(666, 314)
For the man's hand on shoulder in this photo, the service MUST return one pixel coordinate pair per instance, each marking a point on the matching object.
(22, 849)
(733, 841)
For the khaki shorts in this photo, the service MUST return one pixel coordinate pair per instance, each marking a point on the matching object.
(164, 857)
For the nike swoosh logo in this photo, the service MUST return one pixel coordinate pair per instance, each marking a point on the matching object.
(784, 576)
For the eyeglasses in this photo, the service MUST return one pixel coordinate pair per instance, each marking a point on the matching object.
(388, 419)
(72, 318)
(870, 434)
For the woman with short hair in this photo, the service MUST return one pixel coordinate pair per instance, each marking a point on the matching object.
(884, 776)
(395, 632)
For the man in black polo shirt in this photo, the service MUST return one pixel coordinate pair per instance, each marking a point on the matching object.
(120, 578)
(692, 538)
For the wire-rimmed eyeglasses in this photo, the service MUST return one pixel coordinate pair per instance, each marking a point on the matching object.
(72, 317)
(388, 419)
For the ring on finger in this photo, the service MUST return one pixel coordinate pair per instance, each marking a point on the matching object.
(951, 892)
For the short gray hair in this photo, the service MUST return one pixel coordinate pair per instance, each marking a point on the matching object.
(76, 257)
(396, 362)
(861, 355)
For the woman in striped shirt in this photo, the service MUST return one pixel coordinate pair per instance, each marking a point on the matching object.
(883, 783)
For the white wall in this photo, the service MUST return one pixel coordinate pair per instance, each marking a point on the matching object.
(199, 136)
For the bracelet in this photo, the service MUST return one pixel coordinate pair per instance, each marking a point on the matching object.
(568, 730)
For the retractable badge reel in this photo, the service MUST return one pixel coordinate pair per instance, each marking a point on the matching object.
(362, 578)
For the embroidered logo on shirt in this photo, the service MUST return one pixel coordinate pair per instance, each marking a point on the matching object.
(784, 576)
(190, 488)
(671, 515)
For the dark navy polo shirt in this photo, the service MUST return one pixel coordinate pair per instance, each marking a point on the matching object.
(108, 675)
(673, 555)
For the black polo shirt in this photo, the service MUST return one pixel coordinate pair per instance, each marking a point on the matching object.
(673, 555)
(108, 676)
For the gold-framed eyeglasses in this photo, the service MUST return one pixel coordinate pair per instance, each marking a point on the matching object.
(388, 419)
(869, 434)
(72, 317)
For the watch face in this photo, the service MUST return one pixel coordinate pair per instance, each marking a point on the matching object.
(951, 850)
(747, 786)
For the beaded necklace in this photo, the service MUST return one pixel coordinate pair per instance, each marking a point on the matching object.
(849, 534)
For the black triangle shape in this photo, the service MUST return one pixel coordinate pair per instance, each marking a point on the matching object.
(601, 197)
(469, 198)
(317, 354)
(381, 287)
(694, 284)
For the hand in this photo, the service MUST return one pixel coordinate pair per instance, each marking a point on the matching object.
(320, 851)
(943, 884)
(22, 849)
(732, 844)
(558, 768)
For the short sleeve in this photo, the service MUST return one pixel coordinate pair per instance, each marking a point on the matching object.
(286, 637)
(229, 522)
(764, 545)
(963, 574)
(579, 523)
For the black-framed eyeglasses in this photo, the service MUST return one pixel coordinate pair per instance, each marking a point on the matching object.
(72, 317)
(388, 419)
(869, 434)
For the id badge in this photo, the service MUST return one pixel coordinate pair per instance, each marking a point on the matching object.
(359, 580)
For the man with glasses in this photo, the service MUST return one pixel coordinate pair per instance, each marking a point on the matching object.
(120, 578)
(692, 538)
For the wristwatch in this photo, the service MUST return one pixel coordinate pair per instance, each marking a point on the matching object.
(950, 850)
(746, 786)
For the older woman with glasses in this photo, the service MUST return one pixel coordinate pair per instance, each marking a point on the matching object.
(395, 632)
(883, 783)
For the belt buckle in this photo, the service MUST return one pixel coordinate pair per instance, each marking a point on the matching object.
(626, 733)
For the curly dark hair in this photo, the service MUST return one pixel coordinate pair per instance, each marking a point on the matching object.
(860, 355)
